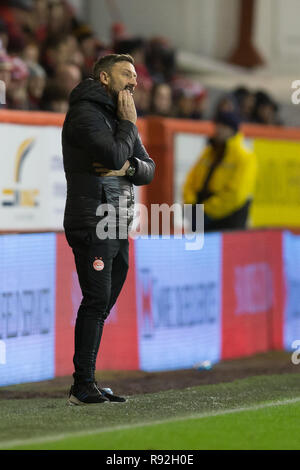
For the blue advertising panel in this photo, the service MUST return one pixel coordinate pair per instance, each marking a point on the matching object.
(291, 266)
(27, 307)
(178, 302)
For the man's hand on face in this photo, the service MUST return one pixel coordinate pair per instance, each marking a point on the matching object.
(101, 171)
(126, 106)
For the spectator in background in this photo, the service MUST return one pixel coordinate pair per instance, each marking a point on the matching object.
(142, 97)
(185, 105)
(3, 35)
(56, 52)
(17, 93)
(118, 33)
(161, 100)
(5, 67)
(36, 85)
(190, 99)
(16, 15)
(31, 53)
(40, 18)
(76, 56)
(226, 104)
(89, 46)
(160, 60)
(223, 179)
(245, 101)
(265, 110)
(59, 19)
(54, 99)
(68, 76)
(135, 45)
(201, 104)
(47, 32)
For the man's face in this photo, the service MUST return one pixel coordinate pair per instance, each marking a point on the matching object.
(163, 99)
(121, 76)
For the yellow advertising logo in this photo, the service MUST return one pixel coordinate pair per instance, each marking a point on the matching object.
(21, 197)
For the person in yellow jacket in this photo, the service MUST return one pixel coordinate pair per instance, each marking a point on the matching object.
(223, 179)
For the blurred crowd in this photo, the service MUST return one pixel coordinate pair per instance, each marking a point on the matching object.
(256, 107)
(46, 50)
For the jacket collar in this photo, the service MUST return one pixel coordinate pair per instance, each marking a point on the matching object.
(92, 90)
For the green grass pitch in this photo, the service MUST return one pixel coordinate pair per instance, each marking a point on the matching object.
(260, 412)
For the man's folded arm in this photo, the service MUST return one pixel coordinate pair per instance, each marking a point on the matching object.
(89, 130)
(144, 165)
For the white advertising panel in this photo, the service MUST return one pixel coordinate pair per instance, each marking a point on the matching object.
(32, 180)
(291, 263)
(27, 307)
(178, 302)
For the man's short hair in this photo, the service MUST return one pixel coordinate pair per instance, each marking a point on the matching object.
(108, 61)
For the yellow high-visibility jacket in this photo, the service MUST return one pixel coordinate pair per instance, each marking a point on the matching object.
(232, 182)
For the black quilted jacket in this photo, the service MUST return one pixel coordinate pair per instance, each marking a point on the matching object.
(93, 133)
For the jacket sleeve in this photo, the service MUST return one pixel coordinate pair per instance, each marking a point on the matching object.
(189, 192)
(194, 179)
(87, 129)
(144, 165)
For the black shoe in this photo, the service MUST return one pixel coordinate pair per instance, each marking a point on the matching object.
(85, 393)
(108, 393)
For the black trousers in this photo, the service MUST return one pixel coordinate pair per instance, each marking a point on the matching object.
(102, 267)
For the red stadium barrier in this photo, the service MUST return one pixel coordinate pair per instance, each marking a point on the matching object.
(253, 293)
(119, 345)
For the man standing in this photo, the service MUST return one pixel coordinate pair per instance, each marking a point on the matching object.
(223, 179)
(103, 158)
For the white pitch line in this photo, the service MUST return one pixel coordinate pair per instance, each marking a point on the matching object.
(59, 437)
